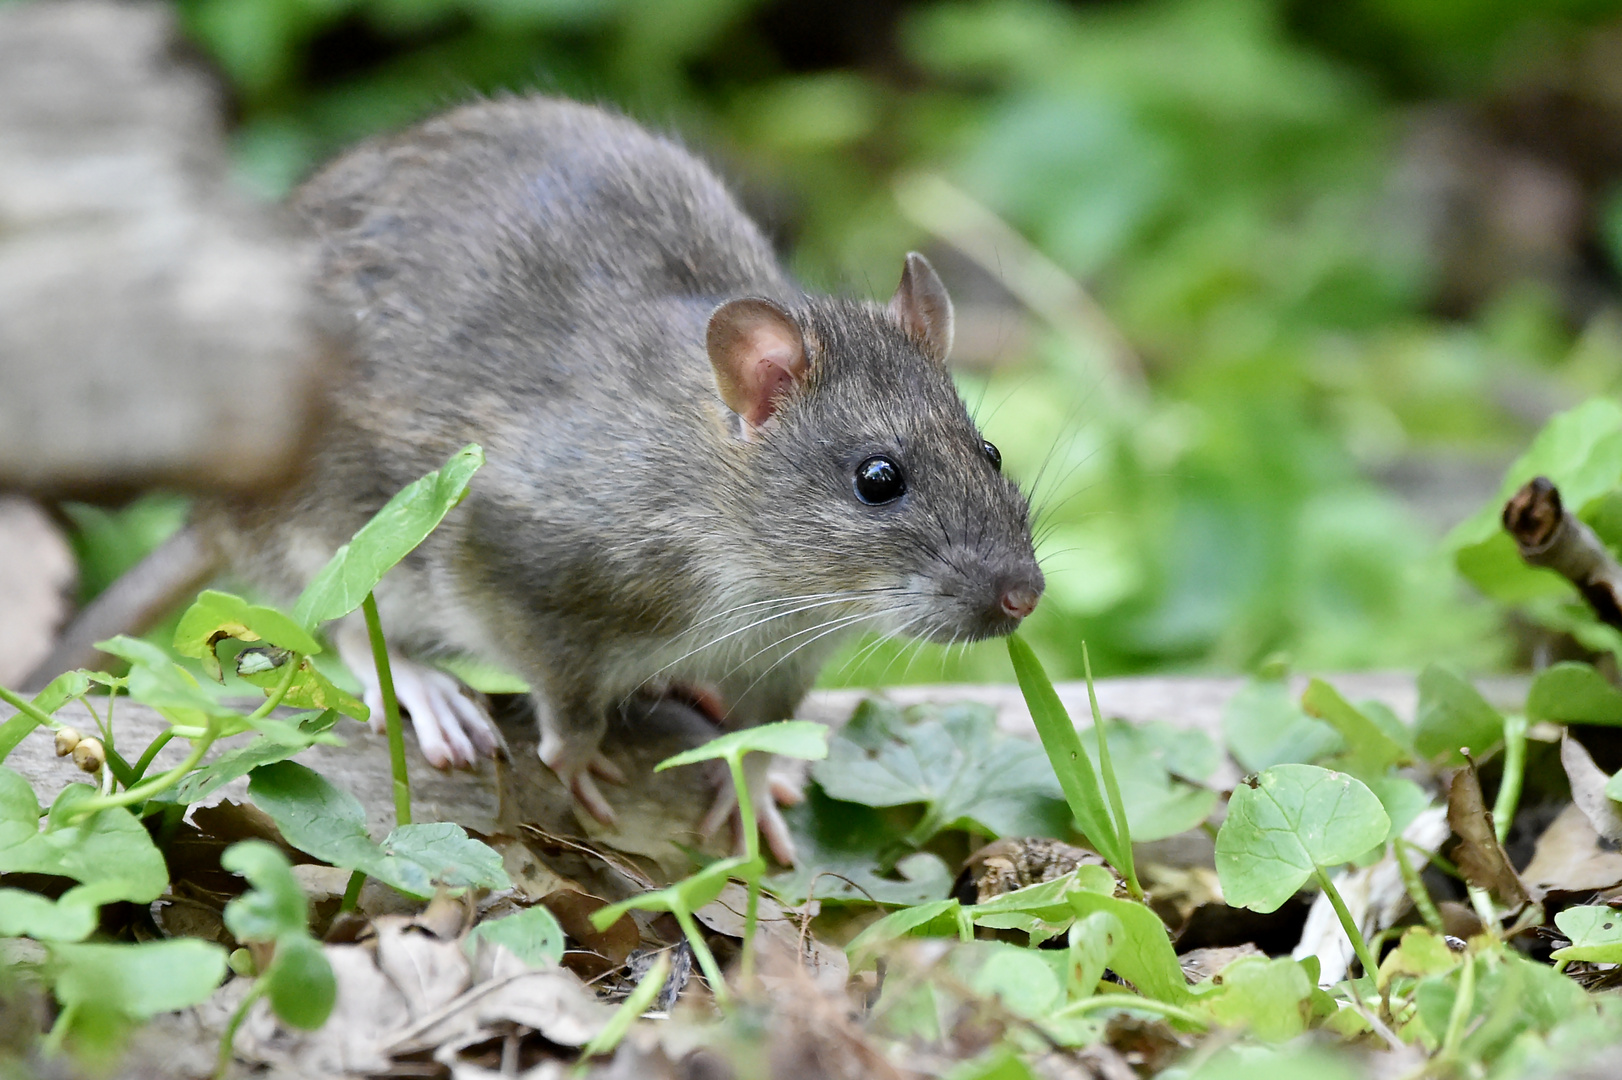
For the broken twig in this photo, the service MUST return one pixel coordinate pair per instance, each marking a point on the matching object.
(1550, 536)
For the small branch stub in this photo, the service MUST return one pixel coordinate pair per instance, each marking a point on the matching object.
(1550, 536)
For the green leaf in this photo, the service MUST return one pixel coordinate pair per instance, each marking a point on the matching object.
(1581, 451)
(69, 918)
(1269, 997)
(686, 895)
(448, 855)
(953, 760)
(1572, 693)
(804, 739)
(300, 982)
(1264, 726)
(403, 523)
(108, 849)
(1286, 823)
(1144, 756)
(1077, 779)
(1613, 787)
(1402, 799)
(1421, 952)
(330, 824)
(1143, 955)
(1595, 932)
(1091, 944)
(839, 845)
(1023, 980)
(137, 981)
(158, 681)
(309, 690)
(299, 731)
(218, 615)
(64, 688)
(275, 905)
(1453, 714)
(939, 918)
(1370, 750)
(533, 935)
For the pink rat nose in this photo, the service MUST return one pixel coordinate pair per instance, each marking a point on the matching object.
(1019, 601)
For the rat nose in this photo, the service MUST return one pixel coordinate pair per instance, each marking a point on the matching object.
(1019, 601)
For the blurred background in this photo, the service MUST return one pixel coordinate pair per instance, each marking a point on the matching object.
(1258, 296)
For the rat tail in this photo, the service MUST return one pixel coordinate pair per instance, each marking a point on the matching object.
(139, 598)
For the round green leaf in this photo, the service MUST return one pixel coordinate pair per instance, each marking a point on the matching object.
(302, 987)
(1287, 822)
(804, 739)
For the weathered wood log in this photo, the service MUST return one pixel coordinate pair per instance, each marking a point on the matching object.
(156, 324)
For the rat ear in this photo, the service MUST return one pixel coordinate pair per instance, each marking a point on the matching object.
(757, 351)
(921, 306)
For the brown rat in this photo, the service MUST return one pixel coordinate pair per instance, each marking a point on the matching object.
(697, 474)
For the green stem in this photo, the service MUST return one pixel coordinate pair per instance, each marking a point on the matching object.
(52, 1046)
(149, 753)
(1106, 769)
(1348, 924)
(1509, 788)
(118, 767)
(1130, 1001)
(29, 716)
(391, 712)
(1463, 1002)
(705, 958)
(352, 892)
(229, 1035)
(1416, 888)
(148, 788)
(751, 849)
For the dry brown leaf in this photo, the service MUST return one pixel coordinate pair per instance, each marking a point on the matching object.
(1588, 790)
(1572, 857)
(1479, 855)
(780, 931)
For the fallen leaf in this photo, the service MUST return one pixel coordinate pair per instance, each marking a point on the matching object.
(1571, 857)
(1588, 783)
(1479, 855)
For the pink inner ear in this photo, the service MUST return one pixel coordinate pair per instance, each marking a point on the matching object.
(757, 352)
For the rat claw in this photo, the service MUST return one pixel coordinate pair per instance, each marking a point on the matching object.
(785, 792)
(606, 769)
(590, 799)
(773, 828)
(452, 729)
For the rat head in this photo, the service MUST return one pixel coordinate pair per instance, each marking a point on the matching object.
(868, 477)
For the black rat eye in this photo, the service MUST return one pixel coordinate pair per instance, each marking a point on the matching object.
(993, 455)
(879, 480)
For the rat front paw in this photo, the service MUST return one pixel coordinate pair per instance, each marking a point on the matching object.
(452, 729)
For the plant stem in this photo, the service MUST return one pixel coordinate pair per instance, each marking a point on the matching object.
(1463, 1002)
(52, 1046)
(391, 712)
(1130, 1001)
(148, 788)
(1106, 769)
(1509, 788)
(29, 716)
(229, 1035)
(1348, 924)
(1416, 888)
(751, 849)
(151, 752)
(629, 1011)
(352, 891)
(705, 958)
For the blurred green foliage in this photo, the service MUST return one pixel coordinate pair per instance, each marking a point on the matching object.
(1241, 185)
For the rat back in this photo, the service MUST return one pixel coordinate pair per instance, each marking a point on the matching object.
(532, 274)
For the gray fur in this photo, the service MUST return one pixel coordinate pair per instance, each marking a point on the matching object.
(536, 276)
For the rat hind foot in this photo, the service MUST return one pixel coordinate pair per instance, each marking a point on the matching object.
(575, 764)
(773, 828)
